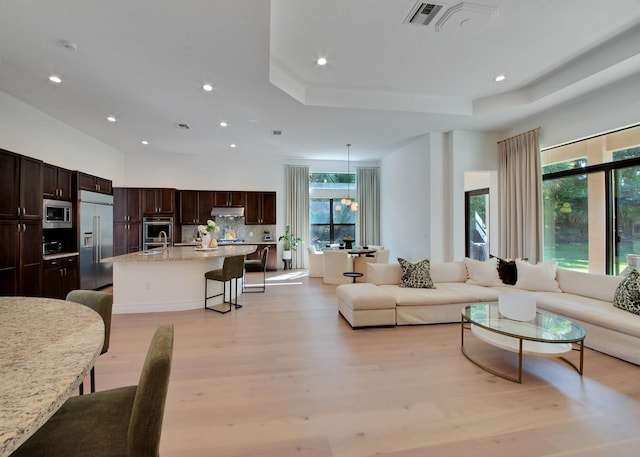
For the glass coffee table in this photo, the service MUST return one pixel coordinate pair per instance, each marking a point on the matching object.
(544, 336)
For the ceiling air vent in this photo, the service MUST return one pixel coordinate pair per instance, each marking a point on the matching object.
(423, 13)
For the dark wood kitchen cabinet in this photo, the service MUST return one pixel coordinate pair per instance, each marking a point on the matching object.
(127, 204)
(260, 208)
(20, 257)
(127, 237)
(20, 224)
(158, 202)
(195, 206)
(127, 220)
(21, 187)
(60, 276)
(94, 183)
(57, 183)
(228, 198)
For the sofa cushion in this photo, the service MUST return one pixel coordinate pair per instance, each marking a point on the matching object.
(508, 271)
(383, 273)
(589, 310)
(483, 273)
(448, 272)
(415, 275)
(540, 277)
(445, 294)
(601, 287)
(627, 296)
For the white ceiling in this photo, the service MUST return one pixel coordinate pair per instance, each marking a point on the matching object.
(386, 82)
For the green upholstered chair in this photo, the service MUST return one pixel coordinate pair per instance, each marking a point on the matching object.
(232, 269)
(101, 303)
(256, 265)
(121, 422)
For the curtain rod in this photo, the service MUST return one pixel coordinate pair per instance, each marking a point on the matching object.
(515, 136)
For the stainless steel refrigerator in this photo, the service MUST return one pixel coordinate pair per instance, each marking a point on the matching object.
(96, 239)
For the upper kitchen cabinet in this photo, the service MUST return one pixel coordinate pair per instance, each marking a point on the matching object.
(20, 187)
(127, 204)
(94, 183)
(228, 198)
(57, 182)
(260, 208)
(158, 202)
(195, 206)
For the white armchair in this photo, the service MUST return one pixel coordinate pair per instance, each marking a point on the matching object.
(316, 263)
(335, 263)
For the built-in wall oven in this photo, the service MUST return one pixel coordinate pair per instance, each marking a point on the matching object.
(152, 232)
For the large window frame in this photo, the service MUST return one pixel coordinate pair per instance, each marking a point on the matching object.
(328, 189)
(608, 169)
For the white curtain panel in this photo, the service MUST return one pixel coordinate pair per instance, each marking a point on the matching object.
(368, 198)
(296, 212)
(520, 197)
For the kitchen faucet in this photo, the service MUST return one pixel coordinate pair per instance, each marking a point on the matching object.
(164, 243)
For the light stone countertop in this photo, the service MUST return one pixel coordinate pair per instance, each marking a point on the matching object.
(182, 253)
(60, 255)
(48, 347)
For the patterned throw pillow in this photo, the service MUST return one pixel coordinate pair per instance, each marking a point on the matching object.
(415, 275)
(627, 294)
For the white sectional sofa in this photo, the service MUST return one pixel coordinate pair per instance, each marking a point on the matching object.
(582, 297)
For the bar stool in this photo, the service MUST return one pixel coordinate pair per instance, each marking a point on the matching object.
(259, 265)
(232, 268)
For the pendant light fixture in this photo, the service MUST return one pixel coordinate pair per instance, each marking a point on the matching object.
(347, 201)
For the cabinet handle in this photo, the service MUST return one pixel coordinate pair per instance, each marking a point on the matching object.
(24, 228)
(18, 211)
(65, 272)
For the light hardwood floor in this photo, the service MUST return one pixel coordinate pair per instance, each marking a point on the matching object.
(286, 376)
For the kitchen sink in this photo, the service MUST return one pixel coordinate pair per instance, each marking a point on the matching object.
(152, 252)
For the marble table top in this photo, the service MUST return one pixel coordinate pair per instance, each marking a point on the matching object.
(47, 348)
(182, 253)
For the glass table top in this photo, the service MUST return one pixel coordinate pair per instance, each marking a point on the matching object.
(544, 327)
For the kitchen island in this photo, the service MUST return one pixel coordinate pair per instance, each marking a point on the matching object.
(167, 279)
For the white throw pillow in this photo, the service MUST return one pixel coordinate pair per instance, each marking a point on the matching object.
(383, 273)
(540, 277)
(483, 273)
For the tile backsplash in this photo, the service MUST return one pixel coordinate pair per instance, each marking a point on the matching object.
(231, 226)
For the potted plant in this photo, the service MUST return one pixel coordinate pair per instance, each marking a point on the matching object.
(290, 243)
(348, 242)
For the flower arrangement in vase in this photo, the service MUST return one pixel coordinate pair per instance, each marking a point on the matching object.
(206, 234)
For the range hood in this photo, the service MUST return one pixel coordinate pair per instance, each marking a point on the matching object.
(228, 211)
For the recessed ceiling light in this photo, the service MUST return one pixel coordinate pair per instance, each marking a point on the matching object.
(207, 87)
(145, 142)
(232, 145)
(321, 61)
(111, 119)
(55, 79)
(499, 78)
(223, 124)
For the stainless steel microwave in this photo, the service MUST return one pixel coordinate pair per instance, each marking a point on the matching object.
(57, 214)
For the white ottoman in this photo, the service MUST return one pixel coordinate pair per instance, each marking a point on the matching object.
(366, 305)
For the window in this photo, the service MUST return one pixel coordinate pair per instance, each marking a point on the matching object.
(591, 192)
(327, 224)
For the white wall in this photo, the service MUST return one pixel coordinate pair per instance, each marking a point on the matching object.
(28, 131)
(404, 201)
(471, 151)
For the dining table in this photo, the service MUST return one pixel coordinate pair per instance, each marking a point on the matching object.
(47, 348)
